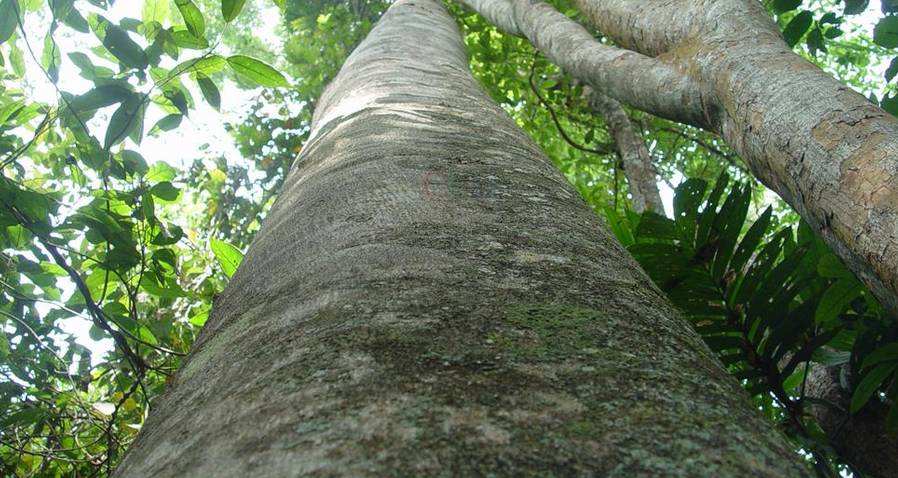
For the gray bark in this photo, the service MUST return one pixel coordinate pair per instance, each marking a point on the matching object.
(429, 296)
(642, 177)
(722, 65)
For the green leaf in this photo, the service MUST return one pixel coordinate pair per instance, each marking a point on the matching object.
(855, 7)
(797, 27)
(51, 58)
(656, 226)
(167, 123)
(9, 14)
(160, 172)
(687, 199)
(890, 104)
(781, 6)
(155, 11)
(727, 226)
(101, 96)
(206, 65)
(126, 119)
(117, 42)
(210, 92)
(836, 299)
(193, 17)
(165, 190)
(892, 70)
(185, 39)
(229, 257)
(751, 240)
(885, 353)
(231, 8)
(869, 384)
(885, 33)
(256, 71)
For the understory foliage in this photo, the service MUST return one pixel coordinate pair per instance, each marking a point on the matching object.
(771, 300)
(110, 257)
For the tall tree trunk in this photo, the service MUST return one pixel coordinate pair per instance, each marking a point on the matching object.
(430, 297)
(641, 174)
(722, 65)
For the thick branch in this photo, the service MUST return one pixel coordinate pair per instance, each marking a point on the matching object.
(624, 74)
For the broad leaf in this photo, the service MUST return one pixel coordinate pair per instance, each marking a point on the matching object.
(256, 71)
(229, 257)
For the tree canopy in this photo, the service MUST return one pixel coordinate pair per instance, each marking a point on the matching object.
(113, 253)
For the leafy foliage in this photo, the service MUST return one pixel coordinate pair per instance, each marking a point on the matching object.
(771, 301)
(89, 228)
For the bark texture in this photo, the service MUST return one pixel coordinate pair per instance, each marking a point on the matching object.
(722, 65)
(429, 296)
(642, 177)
(821, 146)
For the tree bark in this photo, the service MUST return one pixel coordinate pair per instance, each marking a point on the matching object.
(642, 177)
(722, 65)
(429, 296)
(862, 438)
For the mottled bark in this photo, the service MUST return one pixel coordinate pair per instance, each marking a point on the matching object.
(429, 296)
(642, 177)
(861, 439)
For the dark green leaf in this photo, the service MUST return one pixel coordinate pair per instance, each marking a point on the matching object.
(751, 240)
(797, 27)
(102, 96)
(167, 123)
(885, 33)
(117, 41)
(210, 92)
(836, 299)
(870, 384)
(883, 354)
(231, 8)
(165, 190)
(656, 226)
(124, 121)
(892, 70)
(781, 6)
(854, 7)
(890, 104)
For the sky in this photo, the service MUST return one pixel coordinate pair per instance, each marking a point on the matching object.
(203, 132)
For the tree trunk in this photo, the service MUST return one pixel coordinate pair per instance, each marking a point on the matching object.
(430, 297)
(862, 438)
